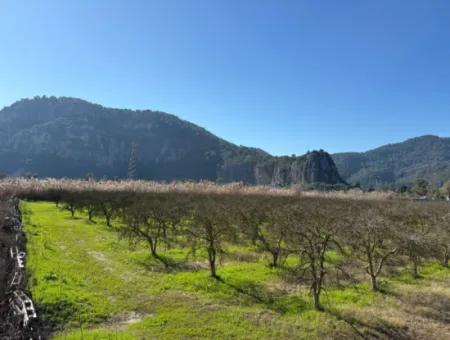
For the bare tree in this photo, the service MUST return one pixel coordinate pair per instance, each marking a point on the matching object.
(415, 236)
(89, 202)
(110, 205)
(369, 236)
(261, 219)
(209, 226)
(315, 225)
(444, 239)
(71, 202)
(441, 234)
(139, 224)
(107, 208)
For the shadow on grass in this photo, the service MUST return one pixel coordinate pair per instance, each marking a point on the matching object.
(376, 329)
(251, 289)
(74, 218)
(427, 303)
(166, 264)
(253, 292)
(258, 293)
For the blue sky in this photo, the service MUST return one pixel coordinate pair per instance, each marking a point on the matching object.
(285, 76)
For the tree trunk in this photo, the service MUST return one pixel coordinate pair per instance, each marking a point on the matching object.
(165, 238)
(415, 268)
(212, 262)
(446, 258)
(154, 253)
(152, 244)
(371, 272)
(373, 279)
(274, 263)
(316, 294)
(212, 265)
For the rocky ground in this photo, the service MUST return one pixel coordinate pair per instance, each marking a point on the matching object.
(18, 319)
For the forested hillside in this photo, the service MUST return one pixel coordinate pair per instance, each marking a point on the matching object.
(426, 157)
(68, 137)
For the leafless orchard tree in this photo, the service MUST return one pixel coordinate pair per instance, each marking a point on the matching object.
(90, 202)
(439, 237)
(107, 209)
(261, 220)
(369, 235)
(209, 226)
(415, 234)
(71, 202)
(315, 225)
(169, 212)
(444, 243)
(147, 219)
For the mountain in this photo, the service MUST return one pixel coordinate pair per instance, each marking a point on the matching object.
(69, 137)
(426, 157)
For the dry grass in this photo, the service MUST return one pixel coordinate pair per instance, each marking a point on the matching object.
(354, 194)
(405, 312)
(21, 186)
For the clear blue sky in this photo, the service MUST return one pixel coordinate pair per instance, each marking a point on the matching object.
(286, 76)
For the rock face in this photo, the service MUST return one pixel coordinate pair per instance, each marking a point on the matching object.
(314, 167)
(68, 137)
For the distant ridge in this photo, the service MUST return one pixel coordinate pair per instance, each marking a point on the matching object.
(70, 137)
(426, 157)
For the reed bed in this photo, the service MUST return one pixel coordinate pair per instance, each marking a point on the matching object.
(26, 186)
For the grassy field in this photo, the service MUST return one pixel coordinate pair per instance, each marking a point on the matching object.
(91, 285)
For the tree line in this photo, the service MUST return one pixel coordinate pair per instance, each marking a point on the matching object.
(420, 188)
(368, 235)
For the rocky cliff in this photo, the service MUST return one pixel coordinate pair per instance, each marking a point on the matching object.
(314, 167)
(68, 137)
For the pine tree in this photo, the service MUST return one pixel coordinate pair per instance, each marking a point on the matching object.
(132, 163)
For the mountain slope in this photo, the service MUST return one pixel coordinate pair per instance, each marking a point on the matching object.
(68, 137)
(425, 157)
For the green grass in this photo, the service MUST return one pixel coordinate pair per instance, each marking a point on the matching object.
(90, 284)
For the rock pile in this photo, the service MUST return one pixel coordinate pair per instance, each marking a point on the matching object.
(17, 312)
